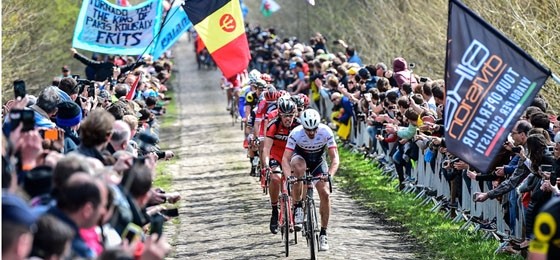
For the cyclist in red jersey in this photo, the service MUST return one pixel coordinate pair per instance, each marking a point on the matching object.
(274, 143)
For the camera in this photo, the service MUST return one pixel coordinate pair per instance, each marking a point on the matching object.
(516, 149)
(24, 117)
(361, 116)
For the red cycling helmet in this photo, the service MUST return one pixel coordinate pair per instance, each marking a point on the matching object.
(305, 99)
(266, 77)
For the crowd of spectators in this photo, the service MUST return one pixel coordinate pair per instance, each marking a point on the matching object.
(403, 114)
(78, 164)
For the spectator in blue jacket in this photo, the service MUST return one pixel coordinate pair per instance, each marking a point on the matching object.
(341, 118)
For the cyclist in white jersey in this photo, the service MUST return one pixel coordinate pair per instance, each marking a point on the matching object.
(305, 150)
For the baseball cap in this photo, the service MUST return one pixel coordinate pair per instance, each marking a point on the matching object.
(16, 210)
(65, 68)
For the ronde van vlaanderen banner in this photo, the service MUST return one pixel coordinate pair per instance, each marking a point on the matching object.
(107, 28)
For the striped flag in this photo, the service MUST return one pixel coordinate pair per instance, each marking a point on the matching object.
(220, 25)
(268, 7)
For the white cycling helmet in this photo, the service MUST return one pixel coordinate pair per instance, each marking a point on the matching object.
(310, 119)
(254, 75)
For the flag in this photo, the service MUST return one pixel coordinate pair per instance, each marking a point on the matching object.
(268, 7)
(132, 92)
(220, 25)
(489, 83)
(103, 27)
(175, 25)
(311, 2)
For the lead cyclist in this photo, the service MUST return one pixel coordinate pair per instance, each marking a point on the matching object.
(305, 149)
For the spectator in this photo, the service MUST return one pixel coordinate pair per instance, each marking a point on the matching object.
(103, 69)
(69, 88)
(81, 202)
(120, 137)
(402, 73)
(46, 107)
(68, 118)
(95, 133)
(18, 226)
(52, 240)
(342, 117)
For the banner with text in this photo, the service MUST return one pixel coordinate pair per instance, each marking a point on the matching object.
(176, 24)
(489, 83)
(108, 28)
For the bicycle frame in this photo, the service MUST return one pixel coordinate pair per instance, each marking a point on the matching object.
(286, 219)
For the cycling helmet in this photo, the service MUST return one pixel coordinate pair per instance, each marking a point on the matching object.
(266, 77)
(254, 75)
(310, 119)
(286, 105)
(305, 99)
(272, 95)
(259, 83)
(297, 100)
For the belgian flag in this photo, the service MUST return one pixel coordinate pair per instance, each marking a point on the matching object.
(219, 23)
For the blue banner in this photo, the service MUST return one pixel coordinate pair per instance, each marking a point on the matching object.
(104, 27)
(489, 83)
(175, 25)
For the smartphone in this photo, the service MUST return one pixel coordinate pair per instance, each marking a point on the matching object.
(91, 91)
(170, 212)
(50, 134)
(19, 89)
(132, 232)
(516, 149)
(25, 117)
(156, 224)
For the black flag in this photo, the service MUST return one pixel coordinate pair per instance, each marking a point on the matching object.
(489, 83)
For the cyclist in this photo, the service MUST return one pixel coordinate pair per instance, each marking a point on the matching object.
(252, 99)
(274, 143)
(305, 150)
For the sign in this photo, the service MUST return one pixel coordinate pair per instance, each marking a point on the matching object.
(489, 83)
(107, 28)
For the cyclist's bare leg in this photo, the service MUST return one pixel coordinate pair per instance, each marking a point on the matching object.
(298, 166)
(325, 205)
(229, 94)
(275, 184)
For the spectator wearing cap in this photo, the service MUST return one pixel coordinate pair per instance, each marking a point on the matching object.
(18, 227)
(68, 118)
(95, 133)
(81, 203)
(52, 240)
(66, 73)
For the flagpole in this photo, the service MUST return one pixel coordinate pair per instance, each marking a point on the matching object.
(165, 20)
(556, 78)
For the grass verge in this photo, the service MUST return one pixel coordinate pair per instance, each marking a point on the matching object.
(439, 237)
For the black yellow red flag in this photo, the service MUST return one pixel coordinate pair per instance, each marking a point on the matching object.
(219, 23)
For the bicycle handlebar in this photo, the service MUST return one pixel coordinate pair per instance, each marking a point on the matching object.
(309, 179)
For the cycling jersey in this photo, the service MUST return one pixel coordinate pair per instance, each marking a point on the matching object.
(276, 131)
(263, 108)
(547, 237)
(311, 150)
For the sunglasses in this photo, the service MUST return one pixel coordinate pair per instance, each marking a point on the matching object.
(287, 115)
(311, 130)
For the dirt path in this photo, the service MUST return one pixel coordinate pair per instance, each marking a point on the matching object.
(224, 214)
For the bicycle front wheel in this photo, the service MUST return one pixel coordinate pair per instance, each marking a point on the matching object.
(286, 226)
(312, 233)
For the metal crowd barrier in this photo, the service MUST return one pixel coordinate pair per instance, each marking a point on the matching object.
(430, 181)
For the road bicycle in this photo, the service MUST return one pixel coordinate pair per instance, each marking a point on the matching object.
(286, 218)
(311, 228)
(234, 110)
(265, 180)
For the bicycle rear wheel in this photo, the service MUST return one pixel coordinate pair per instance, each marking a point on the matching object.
(312, 230)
